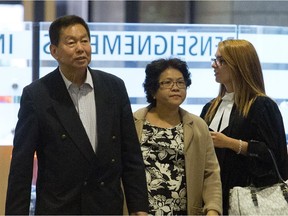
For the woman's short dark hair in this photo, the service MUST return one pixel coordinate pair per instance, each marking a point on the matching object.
(63, 22)
(153, 71)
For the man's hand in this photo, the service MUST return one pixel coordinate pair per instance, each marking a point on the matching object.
(212, 213)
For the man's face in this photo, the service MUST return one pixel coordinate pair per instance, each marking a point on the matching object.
(73, 52)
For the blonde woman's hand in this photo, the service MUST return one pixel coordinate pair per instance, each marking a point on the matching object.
(220, 140)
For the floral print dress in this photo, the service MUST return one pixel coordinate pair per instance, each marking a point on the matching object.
(162, 150)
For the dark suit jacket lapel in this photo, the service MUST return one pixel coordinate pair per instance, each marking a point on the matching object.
(104, 111)
(68, 115)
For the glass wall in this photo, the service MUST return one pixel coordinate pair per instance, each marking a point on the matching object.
(125, 49)
(15, 71)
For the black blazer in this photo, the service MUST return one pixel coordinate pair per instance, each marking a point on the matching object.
(72, 179)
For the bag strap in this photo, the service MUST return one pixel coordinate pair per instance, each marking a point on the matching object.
(283, 186)
(276, 167)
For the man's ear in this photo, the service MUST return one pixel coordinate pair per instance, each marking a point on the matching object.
(53, 51)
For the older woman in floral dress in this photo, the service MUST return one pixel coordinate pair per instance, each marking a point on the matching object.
(182, 172)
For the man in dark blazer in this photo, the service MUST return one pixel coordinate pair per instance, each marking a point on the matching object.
(86, 154)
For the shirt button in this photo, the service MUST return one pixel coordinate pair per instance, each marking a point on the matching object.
(102, 183)
(85, 183)
(63, 136)
(113, 160)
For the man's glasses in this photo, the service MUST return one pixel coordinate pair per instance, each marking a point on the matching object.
(181, 84)
(217, 61)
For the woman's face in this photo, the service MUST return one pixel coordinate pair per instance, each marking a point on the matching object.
(172, 89)
(222, 72)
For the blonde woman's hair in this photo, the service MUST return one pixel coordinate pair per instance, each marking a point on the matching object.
(246, 72)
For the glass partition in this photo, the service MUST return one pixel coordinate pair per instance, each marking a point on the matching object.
(272, 47)
(15, 72)
(125, 49)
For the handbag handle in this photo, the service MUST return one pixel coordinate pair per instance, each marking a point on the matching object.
(275, 165)
(283, 186)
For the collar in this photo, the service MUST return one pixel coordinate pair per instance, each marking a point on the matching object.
(228, 97)
(88, 79)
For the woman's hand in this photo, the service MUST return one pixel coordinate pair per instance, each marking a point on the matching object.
(220, 140)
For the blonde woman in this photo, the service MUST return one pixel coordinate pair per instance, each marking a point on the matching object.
(243, 120)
